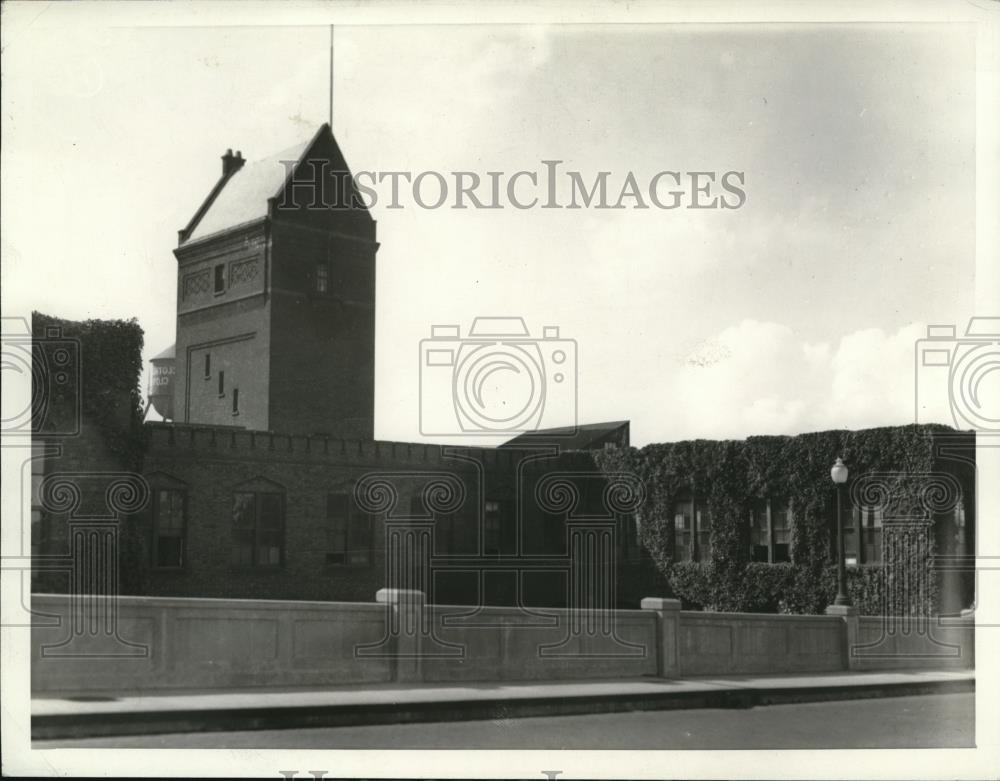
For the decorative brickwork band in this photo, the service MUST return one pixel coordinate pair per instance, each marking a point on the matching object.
(196, 284)
(243, 271)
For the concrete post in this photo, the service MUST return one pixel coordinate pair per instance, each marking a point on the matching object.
(668, 626)
(849, 614)
(408, 623)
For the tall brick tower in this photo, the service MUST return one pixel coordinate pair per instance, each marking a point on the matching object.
(276, 298)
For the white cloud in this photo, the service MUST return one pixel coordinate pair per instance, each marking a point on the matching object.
(761, 378)
(873, 376)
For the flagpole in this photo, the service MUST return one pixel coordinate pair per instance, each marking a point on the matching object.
(331, 77)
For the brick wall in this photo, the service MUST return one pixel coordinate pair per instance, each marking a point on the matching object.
(446, 488)
(81, 490)
(322, 370)
(233, 328)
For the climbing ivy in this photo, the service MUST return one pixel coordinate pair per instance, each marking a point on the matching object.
(97, 376)
(89, 371)
(730, 476)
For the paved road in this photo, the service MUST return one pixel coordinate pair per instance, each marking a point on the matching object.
(929, 721)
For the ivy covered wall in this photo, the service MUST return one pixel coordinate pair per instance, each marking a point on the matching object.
(86, 408)
(915, 474)
(98, 379)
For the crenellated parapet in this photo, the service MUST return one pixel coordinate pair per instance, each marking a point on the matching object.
(175, 439)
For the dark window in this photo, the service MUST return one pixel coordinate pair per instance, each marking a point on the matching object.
(862, 536)
(852, 522)
(222, 384)
(337, 517)
(781, 530)
(168, 528)
(692, 530)
(491, 528)
(683, 529)
(258, 529)
(760, 533)
(236, 401)
(208, 365)
(770, 531)
(38, 526)
(349, 532)
(628, 535)
(443, 534)
(871, 530)
(703, 524)
(322, 278)
(220, 279)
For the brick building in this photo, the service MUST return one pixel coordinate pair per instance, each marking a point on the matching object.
(269, 483)
(260, 514)
(276, 298)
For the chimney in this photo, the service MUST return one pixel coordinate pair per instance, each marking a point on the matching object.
(230, 163)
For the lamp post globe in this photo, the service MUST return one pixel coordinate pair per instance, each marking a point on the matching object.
(839, 474)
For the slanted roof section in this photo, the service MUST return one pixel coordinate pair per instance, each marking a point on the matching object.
(244, 197)
(166, 355)
(590, 436)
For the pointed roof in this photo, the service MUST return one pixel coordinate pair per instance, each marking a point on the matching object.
(244, 194)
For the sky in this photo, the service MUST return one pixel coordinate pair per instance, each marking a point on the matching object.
(796, 312)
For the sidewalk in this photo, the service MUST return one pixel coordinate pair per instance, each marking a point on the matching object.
(394, 704)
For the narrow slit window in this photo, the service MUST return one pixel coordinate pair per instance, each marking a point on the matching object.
(491, 528)
(208, 365)
(222, 384)
(236, 401)
(322, 278)
(220, 279)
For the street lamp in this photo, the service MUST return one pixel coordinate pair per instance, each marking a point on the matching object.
(839, 475)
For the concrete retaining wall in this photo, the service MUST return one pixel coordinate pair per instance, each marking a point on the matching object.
(895, 643)
(746, 643)
(162, 644)
(169, 644)
(504, 643)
